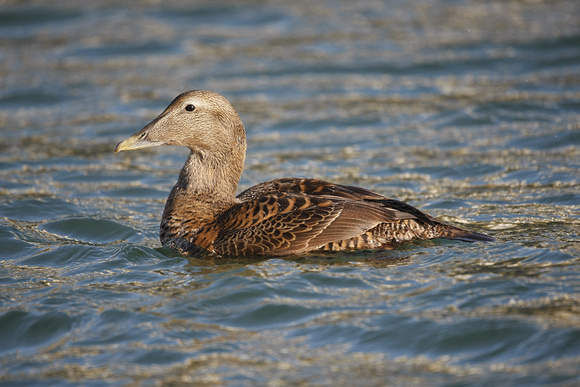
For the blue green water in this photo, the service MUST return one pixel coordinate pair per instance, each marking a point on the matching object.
(467, 110)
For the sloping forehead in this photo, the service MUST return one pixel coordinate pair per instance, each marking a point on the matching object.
(208, 99)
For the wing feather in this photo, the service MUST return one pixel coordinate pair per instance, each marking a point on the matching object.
(290, 224)
(314, 187)
(293, 216)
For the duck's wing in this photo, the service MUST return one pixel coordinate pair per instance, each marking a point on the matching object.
(318, 188)
(420, 220)
(288, 223)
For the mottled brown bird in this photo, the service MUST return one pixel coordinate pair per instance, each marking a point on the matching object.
(279, 217)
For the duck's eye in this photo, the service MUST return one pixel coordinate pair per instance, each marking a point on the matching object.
(190, 108)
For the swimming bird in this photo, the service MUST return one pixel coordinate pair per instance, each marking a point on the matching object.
(284, 216)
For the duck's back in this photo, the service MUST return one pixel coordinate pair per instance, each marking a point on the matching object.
(294, 216)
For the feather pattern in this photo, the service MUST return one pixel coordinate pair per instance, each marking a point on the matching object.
(278, 217)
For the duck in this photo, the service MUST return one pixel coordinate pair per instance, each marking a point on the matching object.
(280, 217)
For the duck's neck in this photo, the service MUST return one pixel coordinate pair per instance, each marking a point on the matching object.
(206, 188)
(210, 177)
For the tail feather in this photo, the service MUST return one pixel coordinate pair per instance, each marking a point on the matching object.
(466, 236)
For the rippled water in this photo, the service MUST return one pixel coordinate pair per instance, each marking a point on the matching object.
(468, 110)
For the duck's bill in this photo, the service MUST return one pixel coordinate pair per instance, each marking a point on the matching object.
(135, 142)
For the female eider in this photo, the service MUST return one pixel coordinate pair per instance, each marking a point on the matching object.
(279, 217)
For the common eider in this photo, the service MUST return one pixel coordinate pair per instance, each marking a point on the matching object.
(279, 217)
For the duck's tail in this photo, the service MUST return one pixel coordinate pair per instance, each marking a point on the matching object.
(415, 224)
(471, 236)
(456, 233)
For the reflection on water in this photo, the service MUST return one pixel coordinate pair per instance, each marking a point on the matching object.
(467, 110)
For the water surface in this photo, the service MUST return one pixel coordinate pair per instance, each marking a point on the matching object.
(466, 110)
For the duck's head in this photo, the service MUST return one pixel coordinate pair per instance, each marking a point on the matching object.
(202, 121)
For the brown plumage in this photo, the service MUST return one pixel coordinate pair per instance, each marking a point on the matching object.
(278, 217)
